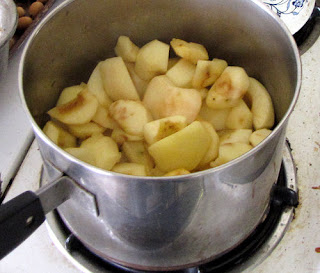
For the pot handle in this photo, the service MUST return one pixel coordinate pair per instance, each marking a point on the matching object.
(22, 215)
(19, 218)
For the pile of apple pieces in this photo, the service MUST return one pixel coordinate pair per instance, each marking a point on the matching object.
(144, 113)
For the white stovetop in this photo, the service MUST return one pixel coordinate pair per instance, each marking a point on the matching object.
(297, 250)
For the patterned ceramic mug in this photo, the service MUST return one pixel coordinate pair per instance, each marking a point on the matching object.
(294, 13)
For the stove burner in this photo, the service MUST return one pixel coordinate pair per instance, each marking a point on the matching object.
(263, 240)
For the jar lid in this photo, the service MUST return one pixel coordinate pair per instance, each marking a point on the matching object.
(8, 20)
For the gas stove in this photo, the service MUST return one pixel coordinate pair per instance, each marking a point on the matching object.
(293, 244)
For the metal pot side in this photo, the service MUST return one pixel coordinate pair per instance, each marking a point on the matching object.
(174, 222)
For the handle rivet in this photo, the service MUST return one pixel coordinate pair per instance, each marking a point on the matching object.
(29, 220)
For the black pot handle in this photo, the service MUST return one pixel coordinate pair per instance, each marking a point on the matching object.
(19, 218)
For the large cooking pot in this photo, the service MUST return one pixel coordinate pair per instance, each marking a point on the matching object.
(154, 223)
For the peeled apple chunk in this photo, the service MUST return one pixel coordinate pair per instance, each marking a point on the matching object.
(233, 136)
(116, 80)
(70, 93)
(258, 136)
(59, 136)
(77, 111)
(229, 88)
(161, 128)
(95, 86)
(217, 117)
(130, 169)
(130, 115)
(207, 72)
(181, 74)
(189, 51)
(126, 49)
(240, 117)
(261, 105)
(152, 60)
(164, 99)
(83, 131)
(183, 149)
(230, 151)
(177, 172)
(103, 150)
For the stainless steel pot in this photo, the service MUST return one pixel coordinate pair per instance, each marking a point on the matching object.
(158, 223)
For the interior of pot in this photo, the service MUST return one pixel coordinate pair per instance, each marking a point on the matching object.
(70, 44)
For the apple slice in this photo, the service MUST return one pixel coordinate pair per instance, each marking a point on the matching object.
(120, 136)
(102, 118)
(158, 129)
(233, 136)
(130, 115)
(152, 60)
(181, 74)
(140, 84)
(217, 117)
(183, 149)
(116, 80)
(240, 117)
(70, 93)
(177, 172)
(126, 49)
(86, 130)
(59, 136)
(258, 136)
(207, 72)
(77, 111)
(189, 51)
(130, 169)
(95, 86)
(261, 105)
(164, 99)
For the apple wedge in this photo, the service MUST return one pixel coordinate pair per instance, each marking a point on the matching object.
(240, 117)
(258, 136)
(126, 49)
(158, 129)
(152, 60)
(261, 105)
(207, 72)
(70, 93)
(95, 86)
(181, 74)
(59, 136)
(217, 117)
(77, 111)
(120, 136)
(116, 80)
(233, 136)
(164, 99)
(183, 149)
(130, 169)
(140, 84)
(102, 118)
(86, 130)
(189, 51)
(130, 115)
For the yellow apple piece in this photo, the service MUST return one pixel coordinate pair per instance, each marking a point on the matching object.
(86, 130)
(240, 117)
(232, 136)
(207, 72)
(181, 74)
(213, 150)
(102, 118)
(258, 136)
(130, 169)
(130, 115)
(59, 136)
(70, 93)
(121, 136)
(77, 111)
(164, 99)
(152, 60)
(217, 117)
(158, 129)
(103, 149)
(136, 152)
(176, 172)
(229, 88)
(172, 62)
(189, 51)
(126, 49)
(116, 80)
(261, 105)
(230, 151)
(183, 149)
(95, 86)
(83, 154)
(140, 84)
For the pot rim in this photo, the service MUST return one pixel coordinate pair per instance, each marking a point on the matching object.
(179, 178)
